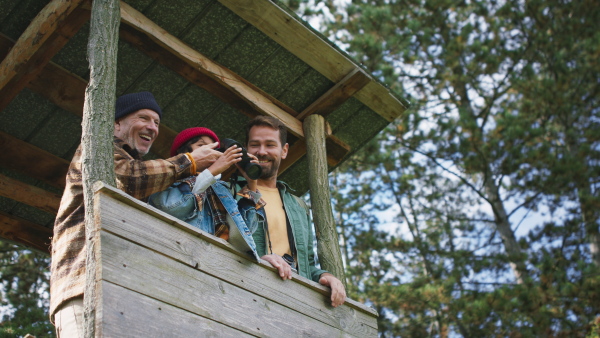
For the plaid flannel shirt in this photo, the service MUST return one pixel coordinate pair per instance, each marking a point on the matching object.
(134, 176)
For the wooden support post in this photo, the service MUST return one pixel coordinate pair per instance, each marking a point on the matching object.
(97, 136)
(328, 247)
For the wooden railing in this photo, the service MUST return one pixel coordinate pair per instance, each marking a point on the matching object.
(158, 276)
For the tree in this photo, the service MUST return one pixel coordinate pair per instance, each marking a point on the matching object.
(504, 125)
(25, 286)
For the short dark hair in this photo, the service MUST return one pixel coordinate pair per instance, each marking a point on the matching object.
(187, 146)
(267, 121)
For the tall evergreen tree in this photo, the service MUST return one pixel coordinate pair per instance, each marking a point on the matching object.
(504, 125)
(24, 297)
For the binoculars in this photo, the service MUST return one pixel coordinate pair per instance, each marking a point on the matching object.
(253, 170)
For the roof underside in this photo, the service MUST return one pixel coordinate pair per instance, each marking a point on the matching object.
(264, 49)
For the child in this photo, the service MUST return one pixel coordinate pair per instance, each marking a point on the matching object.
(204, 201)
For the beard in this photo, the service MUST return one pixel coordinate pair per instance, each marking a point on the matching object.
(270, 169)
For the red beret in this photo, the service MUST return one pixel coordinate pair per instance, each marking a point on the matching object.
(188, 134)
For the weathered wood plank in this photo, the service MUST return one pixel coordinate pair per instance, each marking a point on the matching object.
(24, 232)
(67, 91)
(126, 313)
(209, 75)
(377, 97)
(49, 31)
(338, 94)
(174, 62)
(295, 153)
(308, 46)
(154, 275)
(336, 148)
(32, 161)
(5, 45)
(28, 194)
(222, 76)
(61, 87)
(204, 252)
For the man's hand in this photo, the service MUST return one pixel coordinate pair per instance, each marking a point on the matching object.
(252, 184)
(205, 156)
(284, 269)
(338, 292)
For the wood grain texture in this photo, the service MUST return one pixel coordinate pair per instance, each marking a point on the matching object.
(126, 313)
(49, 31)
(21, 156)
(67, 91)
(24, 232)
(338, 94)
(314, 50)
(30, 195)
(199, 253)
(97, 149)
(328, 247)
(224, 77)
(150, 273)
(211, 76)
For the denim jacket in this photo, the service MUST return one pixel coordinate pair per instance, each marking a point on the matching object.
(179, 201)
(298, 216)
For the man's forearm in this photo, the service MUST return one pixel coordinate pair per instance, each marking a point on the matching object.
(140, 179)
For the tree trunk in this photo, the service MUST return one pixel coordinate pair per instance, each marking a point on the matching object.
(589, 213)
(328, 247)
(513, 250)
(588, 203)
(97, 133)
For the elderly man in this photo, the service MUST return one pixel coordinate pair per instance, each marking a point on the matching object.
(137, 117)
(286, 238)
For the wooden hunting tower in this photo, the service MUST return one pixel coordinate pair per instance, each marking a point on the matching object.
(212, 63)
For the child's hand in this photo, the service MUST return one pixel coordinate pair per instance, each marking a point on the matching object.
(231, 156)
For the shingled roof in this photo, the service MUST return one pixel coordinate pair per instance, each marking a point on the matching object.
(209, 63)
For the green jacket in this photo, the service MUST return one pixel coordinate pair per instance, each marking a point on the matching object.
(298, 217)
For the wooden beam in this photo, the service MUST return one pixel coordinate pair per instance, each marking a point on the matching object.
(338, 94)
(67, 91)
(298, 149)
(336, 149)
(24, 232)
(201, 68)
(23, 157)
(311, 48)
(295, 153)
(209, 75)
(30, 195)
(5, 45)
(49, 31)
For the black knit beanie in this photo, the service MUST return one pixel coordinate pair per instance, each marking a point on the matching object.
(130, 103)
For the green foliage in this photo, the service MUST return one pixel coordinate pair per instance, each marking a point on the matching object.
(24, 275)
(492, 175)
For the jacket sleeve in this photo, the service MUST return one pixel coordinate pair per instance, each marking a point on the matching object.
(309, 238)
(253, 217)
(251, 206)
(141, 179)
(177, 200)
